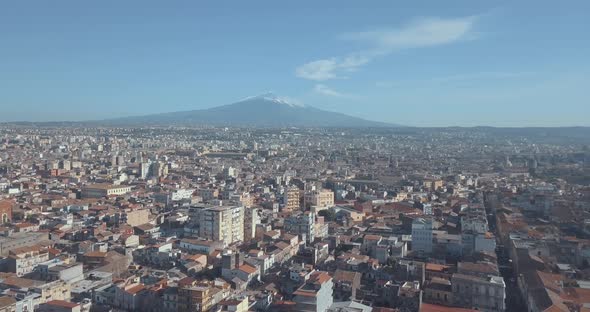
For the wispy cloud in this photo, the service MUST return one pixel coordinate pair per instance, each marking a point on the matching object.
(484, 75)
(331, 68)
(325, 90)
(418, 33)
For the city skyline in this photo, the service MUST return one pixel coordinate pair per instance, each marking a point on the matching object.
(425, 64)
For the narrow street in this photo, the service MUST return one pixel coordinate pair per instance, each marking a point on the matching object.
(514, 300)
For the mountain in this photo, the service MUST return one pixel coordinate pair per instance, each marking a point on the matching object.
(266, 110)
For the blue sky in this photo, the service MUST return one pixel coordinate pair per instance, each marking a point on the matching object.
(423, 63)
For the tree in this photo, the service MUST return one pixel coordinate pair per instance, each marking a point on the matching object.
(328, 214)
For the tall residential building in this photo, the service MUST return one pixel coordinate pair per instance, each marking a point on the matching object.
(321, 199)
(159, 169)
(144, 170)
(291, 199)
(223, 223)
(316, 294)
(302, 224)
(120, 160)
(422, 235)
(251, 218)
(230, 172)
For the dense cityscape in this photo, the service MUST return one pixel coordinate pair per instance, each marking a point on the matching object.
(294, 156)
(294, 219)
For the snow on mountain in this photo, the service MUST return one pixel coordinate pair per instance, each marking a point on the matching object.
(271, 97)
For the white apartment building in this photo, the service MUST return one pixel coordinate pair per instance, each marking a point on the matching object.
(24, 260)
(223, 223)
(422, 235)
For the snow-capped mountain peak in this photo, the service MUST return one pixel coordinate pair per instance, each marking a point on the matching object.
(271, 97)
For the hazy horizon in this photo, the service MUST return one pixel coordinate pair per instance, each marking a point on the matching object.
(425, 64)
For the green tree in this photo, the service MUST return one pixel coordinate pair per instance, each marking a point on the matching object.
(328, 214)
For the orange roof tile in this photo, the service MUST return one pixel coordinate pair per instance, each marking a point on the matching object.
(247, 268)
(135, 289)
(62, 303)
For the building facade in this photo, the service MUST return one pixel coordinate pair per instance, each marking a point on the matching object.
(24, 260)
(478, 292)
(223, 223)
(316, 294)
(104, 190)
(322, 199)
(291, 199)
(422, 235)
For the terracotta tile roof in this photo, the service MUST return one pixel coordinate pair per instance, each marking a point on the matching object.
(282, 245)
(319, 277)
(436, 267)
(305, 293)
(135, 289)
(95, 254)
(62, 303)
(372, 237)
(6, 301)
(19, 282)
(551, 281)
(577, 295)
(247, 268)
(186, 281)
(24, 225)
(347, 276)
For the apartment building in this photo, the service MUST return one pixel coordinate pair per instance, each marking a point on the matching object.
(320, 200)
(316, 294)
(24, 260)
(422, 235)
(194, 298)
(478, 286)
(251, 218)
(302, 224)
(223, 223)
(291, 199)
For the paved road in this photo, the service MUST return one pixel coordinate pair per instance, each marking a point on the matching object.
(514, 301)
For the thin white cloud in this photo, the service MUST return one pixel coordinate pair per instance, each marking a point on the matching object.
(327, 69)
(325, 90)
(318, 70)
(422, 32)
(484, 75)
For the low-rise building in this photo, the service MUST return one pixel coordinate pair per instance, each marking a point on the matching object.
(59, 306)
(104, 190)
(24, 260)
